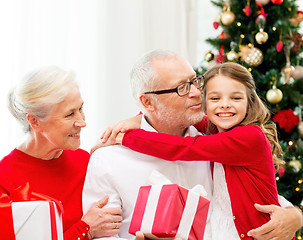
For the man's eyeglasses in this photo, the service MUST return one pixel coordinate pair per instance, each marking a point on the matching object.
(183, 88)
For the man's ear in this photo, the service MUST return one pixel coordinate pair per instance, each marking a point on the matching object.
(33, 121)
(147, 102)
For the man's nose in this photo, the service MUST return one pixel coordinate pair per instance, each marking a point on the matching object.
(194, 91)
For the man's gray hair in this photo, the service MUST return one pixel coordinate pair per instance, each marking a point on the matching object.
(143, 78)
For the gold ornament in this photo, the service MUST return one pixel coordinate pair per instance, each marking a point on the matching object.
(263, 2)
(232, 56)
(274, 95)
(251, 55)
(288, 69)
(228, 17)
(297, 73)
(209, 56)
(295, 164)
(261, 37)
(287, 72)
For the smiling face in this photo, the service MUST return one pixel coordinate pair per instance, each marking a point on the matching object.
(226, 102)
(61, 129)
(175, 112)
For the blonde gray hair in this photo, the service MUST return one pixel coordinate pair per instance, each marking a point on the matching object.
(39, 92)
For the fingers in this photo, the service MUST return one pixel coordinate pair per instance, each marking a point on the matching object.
(117, 225)
(96, 146)
(279, 227)
(116, 218)
(109, 219)
(99, 144)
(111, 132)
(107, 230)
(111, 228)
(139, 236)
(103, 221)
(263, 232)
(103, 224)
(93, 149)
(113, 211)
(265, 208)
(114, 131)
(101, 203)
(106, 134)
(103, 134)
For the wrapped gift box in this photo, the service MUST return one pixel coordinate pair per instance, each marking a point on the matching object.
(30, 216)
(168, 211)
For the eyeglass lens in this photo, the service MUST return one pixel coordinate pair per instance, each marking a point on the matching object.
(184, 88)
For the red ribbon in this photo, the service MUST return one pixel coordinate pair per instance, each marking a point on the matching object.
(22, 194)
(7, 228)
(262, 10)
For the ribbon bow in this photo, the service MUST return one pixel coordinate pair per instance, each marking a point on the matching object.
(23, 193)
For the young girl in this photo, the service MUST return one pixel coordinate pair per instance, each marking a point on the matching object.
(244, 150)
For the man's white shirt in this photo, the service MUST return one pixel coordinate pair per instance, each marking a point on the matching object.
(119, 172)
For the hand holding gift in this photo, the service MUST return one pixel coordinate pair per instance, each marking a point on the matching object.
(140, 236)
(170, 211)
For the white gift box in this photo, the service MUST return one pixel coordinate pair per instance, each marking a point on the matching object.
(37, 220)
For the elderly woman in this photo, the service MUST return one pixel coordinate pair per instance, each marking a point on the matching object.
(49, 106)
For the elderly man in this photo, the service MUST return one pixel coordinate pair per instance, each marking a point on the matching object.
(119, 172)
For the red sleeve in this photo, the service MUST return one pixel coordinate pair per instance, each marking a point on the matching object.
(236, 147)
(202, 126)
(78, 231)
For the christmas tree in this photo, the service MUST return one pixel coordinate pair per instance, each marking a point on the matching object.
(263, 35)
